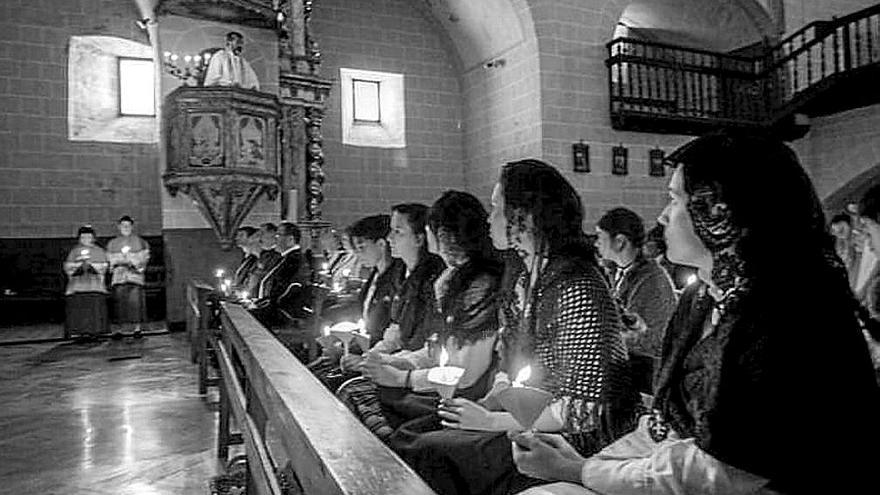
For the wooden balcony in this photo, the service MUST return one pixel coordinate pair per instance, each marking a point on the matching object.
(824, 68)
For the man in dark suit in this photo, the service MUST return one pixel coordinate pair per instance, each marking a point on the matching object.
(246, 240)
(282, 292)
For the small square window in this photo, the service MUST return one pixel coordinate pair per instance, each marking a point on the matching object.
(136, 87)
(366, 101)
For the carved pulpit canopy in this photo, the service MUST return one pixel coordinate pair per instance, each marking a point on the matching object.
(222, 145)
(254, 13)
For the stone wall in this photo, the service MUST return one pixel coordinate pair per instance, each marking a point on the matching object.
(48, 184)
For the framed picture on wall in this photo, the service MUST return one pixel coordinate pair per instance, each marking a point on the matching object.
(581, 157)
(655, 163)
(619, 158)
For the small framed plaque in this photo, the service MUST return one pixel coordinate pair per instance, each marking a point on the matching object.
(581, 157)
(619, 158)
(655, 163)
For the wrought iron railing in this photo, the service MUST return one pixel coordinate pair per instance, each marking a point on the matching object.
(671, 82)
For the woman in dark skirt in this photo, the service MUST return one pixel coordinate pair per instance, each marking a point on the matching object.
(558, 318)
(86, 294)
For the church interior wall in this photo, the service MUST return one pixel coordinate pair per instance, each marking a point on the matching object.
(390, 36)
(50, 185)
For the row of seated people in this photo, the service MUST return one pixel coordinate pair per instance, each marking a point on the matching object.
(763, 381)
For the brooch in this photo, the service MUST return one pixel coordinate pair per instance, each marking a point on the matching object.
(657, 428)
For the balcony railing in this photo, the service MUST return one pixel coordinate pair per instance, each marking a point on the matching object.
(656, 86)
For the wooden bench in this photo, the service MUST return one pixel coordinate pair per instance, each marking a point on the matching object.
(199, 328)
(286, 417)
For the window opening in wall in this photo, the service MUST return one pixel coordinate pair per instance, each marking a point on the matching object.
(367, 107)
(136, 87)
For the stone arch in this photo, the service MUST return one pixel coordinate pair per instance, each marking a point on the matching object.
(852, 190)
(706, 24)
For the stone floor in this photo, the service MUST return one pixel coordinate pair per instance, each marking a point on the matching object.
(116, 418)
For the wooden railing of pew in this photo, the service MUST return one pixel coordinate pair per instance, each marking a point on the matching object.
(199, 326)
(288, 420)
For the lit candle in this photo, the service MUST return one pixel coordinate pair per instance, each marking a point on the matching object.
(445, 378)
(125, 249)
(346, 272)
(166, 55)
(187, 59)
(219, 273)
(84, 252)
(523, 376)
(692, 279)
(174, 57)
(325, 266)
(243, 295)
(197, 58)
(523, 402)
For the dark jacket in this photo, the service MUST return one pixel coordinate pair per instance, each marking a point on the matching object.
(284, 290)
(647, 291)
(266, 261)
(379, 310)
(782, 387)
(244, 271)
(413, 303)
(468, 305)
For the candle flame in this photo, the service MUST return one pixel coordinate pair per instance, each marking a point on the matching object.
(692, 279)
(524, 374)
(125, 249)
(325, 266)
(84, 252)
(444, 356)
(219, 273)
(346, 272)
(327, 330)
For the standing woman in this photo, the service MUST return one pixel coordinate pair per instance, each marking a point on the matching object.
(86, 295)
(765, 383)
(559, 319)
(128, 255)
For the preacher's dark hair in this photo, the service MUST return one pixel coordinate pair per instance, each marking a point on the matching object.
(625, 222)
(532, 187)
(841, 218)
(290, 228)
(126, 218)
(85, 229)
(234, 35)
(373, 228)
(460, 220)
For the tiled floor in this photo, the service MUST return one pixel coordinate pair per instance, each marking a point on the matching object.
(117, 417)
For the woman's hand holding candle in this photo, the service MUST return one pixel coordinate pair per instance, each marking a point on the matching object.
(464, 414)
(375, 369)
(547, 457)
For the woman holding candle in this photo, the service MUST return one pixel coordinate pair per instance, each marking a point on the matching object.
(86, 294)
(748, 396)
(464, 323)
(386, 276)
(128, 255)
(560, 320)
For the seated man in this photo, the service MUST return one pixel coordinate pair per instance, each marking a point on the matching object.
(247, 240)
(641, 287)
(282, 292)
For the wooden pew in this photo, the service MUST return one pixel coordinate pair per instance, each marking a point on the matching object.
(198, 321)
(285, 415)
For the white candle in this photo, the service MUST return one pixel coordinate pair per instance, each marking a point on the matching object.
(445, 378)
(523, 376)
(125, 249)
(219, 273)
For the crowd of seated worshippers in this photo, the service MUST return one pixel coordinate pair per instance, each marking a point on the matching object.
(764, 382)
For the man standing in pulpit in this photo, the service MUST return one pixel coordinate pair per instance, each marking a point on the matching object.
(228, 68)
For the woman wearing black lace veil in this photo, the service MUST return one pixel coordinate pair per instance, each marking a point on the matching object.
(765, 383)
(559, 319)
